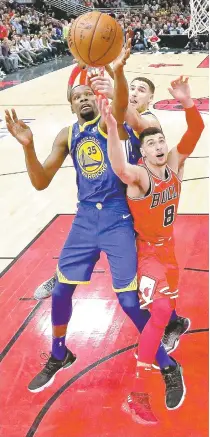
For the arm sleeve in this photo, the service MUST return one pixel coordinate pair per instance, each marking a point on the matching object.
(195, 126)
(75, 72)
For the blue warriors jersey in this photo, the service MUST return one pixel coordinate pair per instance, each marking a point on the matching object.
(133, 146)
(96, 180)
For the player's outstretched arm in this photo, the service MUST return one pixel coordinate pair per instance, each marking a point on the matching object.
(40, 175)
(138, 122)
(121, 92)
(180, 90)
(129, 174)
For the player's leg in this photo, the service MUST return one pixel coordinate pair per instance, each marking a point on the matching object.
(120, 248)
(155, 293)
(75, 266)
(137, 403)
(178, 325)
(118, 242)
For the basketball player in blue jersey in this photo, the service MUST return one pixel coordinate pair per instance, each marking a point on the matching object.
(102, 223)
(141, 93)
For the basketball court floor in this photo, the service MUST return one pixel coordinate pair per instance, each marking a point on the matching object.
(85, 400)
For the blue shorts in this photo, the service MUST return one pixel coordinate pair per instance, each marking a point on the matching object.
(96, 228)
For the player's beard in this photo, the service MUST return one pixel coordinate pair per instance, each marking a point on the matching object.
(88, 116)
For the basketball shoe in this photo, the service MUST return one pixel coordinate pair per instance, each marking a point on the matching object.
(44, 290)
(47, 375)
(174, 330)
(175, 387)
(138, 406)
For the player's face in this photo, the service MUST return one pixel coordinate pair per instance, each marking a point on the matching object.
(140, 95)
(83, 102)
(155, 149)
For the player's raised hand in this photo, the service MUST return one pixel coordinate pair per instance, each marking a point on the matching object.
(123, 57)
(105, 110)
(102, 85)
(18, 129)
(180, 89)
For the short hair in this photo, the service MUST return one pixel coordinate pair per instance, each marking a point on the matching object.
(149, 131)
(73, 88)
(149, 83)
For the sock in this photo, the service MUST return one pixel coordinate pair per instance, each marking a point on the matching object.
(141, 384)
(61, 314)
(173, 316)
(59, 347)
(129, 302)
(163, 358)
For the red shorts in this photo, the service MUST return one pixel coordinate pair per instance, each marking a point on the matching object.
(158, 271)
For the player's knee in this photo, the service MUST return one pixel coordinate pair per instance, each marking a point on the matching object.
(128, 300)
(161, 311)
(60, 290)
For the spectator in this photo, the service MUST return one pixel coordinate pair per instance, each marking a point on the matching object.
(172, 29)
(38, 46)
(148, 33)
(55, 41)
(6, 44)
(164, 30)
(66, 27)
(3, 31)
(22, 53)
(5, 62)
(138, 41)
(34, 26)
(24, 24)
(45, 41)
(16, 23)
(25, 44)
(155, 6)
(180, 29)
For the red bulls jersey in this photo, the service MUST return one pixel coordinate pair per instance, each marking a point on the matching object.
(155, 213)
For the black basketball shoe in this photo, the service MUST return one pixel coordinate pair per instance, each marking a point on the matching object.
(47, 375)
(173, 332)
(175, 388)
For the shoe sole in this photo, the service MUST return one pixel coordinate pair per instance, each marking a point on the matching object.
(43, 297)
(183, 396)
(176, 344)
(126, 409)
(49, 383)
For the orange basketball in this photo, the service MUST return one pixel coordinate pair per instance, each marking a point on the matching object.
(95, 39)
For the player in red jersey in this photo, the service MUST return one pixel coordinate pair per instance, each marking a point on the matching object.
(153, 192)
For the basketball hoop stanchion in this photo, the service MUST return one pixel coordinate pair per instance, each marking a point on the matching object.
(199, 20)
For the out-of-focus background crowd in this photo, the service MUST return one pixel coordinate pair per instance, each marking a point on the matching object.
(34, 33)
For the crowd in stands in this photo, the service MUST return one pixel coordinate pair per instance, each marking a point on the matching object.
(155, 19)
(29, 36)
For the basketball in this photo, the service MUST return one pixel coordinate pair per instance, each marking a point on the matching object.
(95, 39)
